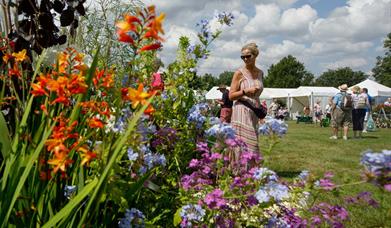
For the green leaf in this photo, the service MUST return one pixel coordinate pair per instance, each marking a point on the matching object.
(177, 217)
(31, 160)
(65, 211)
(5, 141)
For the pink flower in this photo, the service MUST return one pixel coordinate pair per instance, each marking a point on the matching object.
(157, 82)
(387, 187)
(215, 199)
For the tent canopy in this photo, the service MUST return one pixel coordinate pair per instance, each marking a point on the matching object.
(374, 89)
(270, 93)
(317, 91)
(214, 93)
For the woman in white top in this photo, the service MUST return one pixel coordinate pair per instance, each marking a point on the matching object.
(360, 104)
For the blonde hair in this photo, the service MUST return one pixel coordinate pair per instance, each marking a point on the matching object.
(252, 47)
(356, 89)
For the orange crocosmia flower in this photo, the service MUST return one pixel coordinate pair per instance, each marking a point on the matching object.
(95, 122)
(86, 155)
(137, 96)
(150, 47)
(156, 24)
(60, 161)
(76, 84)
(151, 9)
(14, 71)
(38, 90)
(149, 110)
(124, 37)
(20, 56)
(6, 57)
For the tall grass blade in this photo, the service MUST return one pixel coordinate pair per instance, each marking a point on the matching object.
(5, 141)
(31, 160)
(64, 213)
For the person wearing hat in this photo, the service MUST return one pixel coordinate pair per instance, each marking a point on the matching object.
(341, 112)
(226, 105)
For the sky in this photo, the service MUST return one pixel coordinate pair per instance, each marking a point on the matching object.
(322, 34)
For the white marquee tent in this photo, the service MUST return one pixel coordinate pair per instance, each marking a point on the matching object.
(307, 96)
(296, 99)
(214, 93)
(376, 90)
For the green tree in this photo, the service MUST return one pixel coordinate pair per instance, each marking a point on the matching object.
(288, 73)
(382, 70)
(225, 78)
(205, 82)
(340, 76)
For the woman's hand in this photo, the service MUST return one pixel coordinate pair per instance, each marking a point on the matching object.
(252, 90)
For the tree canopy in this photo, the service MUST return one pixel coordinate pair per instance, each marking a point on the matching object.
(382, 70)
(288, 73)
(340, 76)
(225, 78)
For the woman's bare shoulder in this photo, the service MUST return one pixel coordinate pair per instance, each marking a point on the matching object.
(238, 75)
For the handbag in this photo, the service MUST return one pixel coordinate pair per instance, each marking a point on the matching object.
(259, 112)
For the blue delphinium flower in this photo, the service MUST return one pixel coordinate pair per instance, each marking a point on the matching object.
(262, 196)
(190, 49)
(272, 190)
(69, 191)
(262, 173)
(264, 129)
(197, 114)
(224, 18)
(376, 162)
(273, 126)
(304, 174)
(132, 155)
(205, 28)
(223, 131)
(133, 218)
(277, 191)
(275, 222)
(191, 213)
(214, 120)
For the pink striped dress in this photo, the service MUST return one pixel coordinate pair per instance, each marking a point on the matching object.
(244, 120)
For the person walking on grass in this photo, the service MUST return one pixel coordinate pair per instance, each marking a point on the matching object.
(341, 112)
(368, 110)
(360, 104)
(226, 105)
(318, 112)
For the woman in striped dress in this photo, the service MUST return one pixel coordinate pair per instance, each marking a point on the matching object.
(247, 85)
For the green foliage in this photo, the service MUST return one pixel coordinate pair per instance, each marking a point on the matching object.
(340, 76)
(225, 78)
(288, 73)
(382, 70)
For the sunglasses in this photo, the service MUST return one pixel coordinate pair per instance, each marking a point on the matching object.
(245, 57)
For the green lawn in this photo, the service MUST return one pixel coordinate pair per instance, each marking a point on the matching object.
(307, 146)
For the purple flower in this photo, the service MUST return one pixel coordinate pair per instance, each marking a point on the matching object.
(194, 163)
(202, 147)
(333, 215)
(326, 184)
(215, 199)
(387, 187)
(224, 18)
